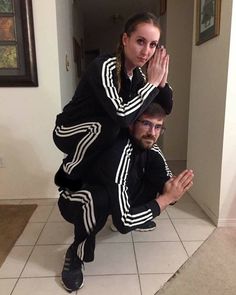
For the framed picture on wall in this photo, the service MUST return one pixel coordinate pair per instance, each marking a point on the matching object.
(17, 45)
(207, 20)
(163, 5)
(77, 56)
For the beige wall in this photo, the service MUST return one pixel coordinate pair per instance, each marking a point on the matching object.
(68, 81)
(27, 115)
(227, 214)
(179, 20)
(208, 98)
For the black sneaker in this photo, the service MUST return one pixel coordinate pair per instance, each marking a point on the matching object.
(72, 276)
(147, 226)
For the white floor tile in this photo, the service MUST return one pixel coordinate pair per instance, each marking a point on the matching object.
(191, 247)
(40, 286)
(163, 215)
(41, 214)
(106, 235)
(6, 286)
(55, 216)
(193, 229)
(30, 234)
(159, 253)
(112, 258)
(57, 233)
(45, 261)
(185, 208)
(15, 262)
(159, 257)
(163, 232)
(114, 284)
(151, 283)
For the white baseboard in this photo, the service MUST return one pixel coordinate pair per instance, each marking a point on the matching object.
(226, 222)
(219, 222)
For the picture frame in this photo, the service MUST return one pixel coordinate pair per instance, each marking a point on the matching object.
(18, 66)
(207, 20)
(163, 4)
(77, 56)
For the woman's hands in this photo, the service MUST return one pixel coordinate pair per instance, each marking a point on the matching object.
(158, 67)
(175, 188)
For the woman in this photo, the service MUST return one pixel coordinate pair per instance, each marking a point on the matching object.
(112, 94)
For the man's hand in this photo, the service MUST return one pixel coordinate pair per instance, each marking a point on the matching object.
(175, 188)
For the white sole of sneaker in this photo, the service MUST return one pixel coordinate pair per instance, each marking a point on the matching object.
(69, 290)
(143, 230)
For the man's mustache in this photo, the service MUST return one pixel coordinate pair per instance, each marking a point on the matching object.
(149, 137)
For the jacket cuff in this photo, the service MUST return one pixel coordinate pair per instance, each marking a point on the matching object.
(154, 206)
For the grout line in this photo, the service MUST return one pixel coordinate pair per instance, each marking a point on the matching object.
(136, 262)
(33, 247)
(35, 243)
(179, 237)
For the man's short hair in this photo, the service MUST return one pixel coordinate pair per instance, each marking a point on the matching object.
(155, 110)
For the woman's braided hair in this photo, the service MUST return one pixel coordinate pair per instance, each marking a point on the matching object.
(130, 26)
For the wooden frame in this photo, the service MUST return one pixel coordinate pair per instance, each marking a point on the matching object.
(207, 20)
(163, 4)
(77, 56)
(17, 46)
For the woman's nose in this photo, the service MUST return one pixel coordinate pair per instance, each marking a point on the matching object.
(145, 50)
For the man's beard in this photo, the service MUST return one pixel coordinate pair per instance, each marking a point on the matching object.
(145, 142)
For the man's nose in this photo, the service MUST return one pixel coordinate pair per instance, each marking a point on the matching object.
(152, 130)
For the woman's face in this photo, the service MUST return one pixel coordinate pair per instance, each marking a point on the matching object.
(140, 46)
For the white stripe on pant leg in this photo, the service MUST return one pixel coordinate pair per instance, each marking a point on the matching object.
(80, 250)
(79, 153)
(63, 131)
(85, 198)
(88, 208)
(94, 131)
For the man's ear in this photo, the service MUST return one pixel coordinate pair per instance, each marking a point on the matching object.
(124, 39)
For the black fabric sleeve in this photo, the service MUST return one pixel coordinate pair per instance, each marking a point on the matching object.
(102, 79)
(165, 98)
(157, 171)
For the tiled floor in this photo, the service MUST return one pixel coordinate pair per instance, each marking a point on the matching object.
(136, 263)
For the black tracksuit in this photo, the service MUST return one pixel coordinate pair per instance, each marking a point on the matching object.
(91, 121)
(123, 182)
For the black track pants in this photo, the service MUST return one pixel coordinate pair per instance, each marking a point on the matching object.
(88, 211)
(82, 142)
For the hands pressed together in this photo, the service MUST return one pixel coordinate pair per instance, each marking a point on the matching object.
(175, 188)
(158, 67)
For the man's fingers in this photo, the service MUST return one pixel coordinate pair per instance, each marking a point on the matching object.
(186, 179)
(183, 174)
(187, 187)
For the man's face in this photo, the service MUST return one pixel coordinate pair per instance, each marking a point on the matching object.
(146, 131)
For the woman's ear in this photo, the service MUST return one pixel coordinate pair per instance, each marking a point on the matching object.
(124, 39)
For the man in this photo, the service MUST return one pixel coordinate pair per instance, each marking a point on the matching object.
(131, 181)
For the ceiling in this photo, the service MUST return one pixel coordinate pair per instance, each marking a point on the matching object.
(100, 14)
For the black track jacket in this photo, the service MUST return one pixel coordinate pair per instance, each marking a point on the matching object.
(132, 177)
(97, 96)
